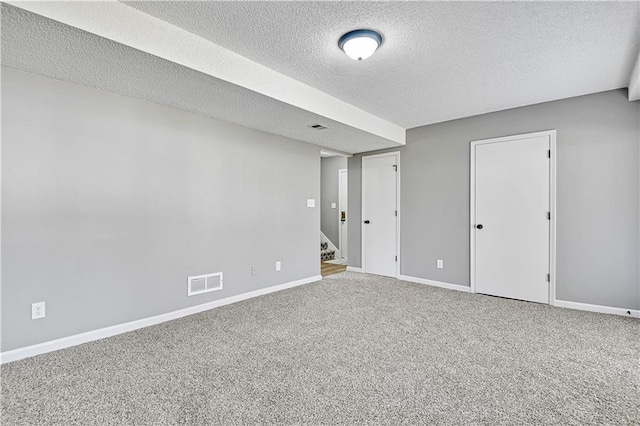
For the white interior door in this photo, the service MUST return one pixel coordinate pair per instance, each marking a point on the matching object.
(379, 229)
(512, 212)
(343, 216)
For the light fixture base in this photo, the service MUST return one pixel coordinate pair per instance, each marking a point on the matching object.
(359, 51)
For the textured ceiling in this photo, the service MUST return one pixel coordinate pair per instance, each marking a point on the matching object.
(43, 46)
(439, 60)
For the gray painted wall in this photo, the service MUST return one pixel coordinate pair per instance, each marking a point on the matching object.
(329, 193)
(109, 203)
(598, 191)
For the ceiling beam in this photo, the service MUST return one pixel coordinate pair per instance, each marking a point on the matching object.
(634, 82)
(128, 26)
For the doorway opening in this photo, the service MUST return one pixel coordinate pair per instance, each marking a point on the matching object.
(334, 216)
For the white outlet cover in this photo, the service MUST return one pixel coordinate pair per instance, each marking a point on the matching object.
(311, 202)
(38, 310)
(278, 266)
(333, 205)
(439, 263)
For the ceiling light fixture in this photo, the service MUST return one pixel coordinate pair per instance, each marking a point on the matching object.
(360, 44)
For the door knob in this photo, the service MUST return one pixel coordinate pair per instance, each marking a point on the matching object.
(479, 226)
(366, 221)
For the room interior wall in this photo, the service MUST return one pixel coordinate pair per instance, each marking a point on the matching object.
(329, 193)
(109, 203)
(598, 195)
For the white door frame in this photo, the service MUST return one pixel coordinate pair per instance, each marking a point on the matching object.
(362, 219)
(552, 205)
(340, 171)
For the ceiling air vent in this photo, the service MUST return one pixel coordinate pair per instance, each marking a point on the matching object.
(317, 126)
(199, 284)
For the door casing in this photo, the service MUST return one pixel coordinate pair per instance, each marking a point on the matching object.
(552, 205)
(362, 219)
(341, 208)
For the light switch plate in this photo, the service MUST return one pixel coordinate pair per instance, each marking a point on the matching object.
(333, 205)
(311, 202)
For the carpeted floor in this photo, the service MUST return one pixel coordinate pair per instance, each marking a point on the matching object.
(352, 349)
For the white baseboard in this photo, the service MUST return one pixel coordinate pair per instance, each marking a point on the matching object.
(355, 269)
(633, 313)
(448, 286)
(90, 336)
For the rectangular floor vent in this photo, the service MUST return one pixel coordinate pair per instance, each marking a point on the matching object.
(199, 284)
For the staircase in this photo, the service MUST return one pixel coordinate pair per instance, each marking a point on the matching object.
(325, 253)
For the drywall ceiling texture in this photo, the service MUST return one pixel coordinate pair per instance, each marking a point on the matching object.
(439, 60)
(43, 46)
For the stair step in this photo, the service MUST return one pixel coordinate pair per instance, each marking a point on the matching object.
(327, 255)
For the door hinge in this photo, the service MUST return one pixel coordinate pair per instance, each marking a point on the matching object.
(549, 215)
(396, 258)
(395, 167)
(396, 212)
(549, 153)
(548, 277)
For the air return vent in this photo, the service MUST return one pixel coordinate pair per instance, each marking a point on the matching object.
(199, 284)
(317, 126)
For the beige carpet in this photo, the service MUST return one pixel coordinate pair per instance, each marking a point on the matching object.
(352, 349)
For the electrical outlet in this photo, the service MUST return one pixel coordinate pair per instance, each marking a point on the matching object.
(253, 270)
(37, 310)
(278, 265)
(439, 263)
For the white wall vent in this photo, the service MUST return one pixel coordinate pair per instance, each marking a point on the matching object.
(199, 284)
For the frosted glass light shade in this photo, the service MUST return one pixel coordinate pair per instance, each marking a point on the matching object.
(360, 44)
